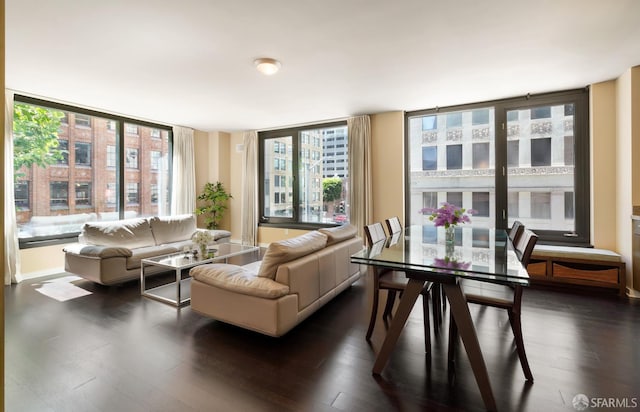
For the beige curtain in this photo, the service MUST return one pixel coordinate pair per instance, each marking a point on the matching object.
(11, 248)
(250, 189)
(360, 192)
(183, 190)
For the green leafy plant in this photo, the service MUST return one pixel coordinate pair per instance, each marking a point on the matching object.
(214, 200)
(35, 137)
(331, 189)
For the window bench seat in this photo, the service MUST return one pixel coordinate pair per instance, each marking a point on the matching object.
(554, 265)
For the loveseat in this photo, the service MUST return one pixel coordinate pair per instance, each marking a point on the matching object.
(110, 252)
(295, 278)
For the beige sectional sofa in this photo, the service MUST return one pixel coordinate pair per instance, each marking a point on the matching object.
(110, 252)
(295, 278)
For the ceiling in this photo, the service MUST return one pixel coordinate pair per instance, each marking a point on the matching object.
(190, 62)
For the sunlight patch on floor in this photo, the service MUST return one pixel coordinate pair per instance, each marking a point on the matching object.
(61, 289)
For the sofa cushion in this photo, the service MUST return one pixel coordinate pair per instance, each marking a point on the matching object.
(140, 253)
(133, 233)
(97, 251)
(167, 229)
(238, 279)
(339, 233)
(286, 250)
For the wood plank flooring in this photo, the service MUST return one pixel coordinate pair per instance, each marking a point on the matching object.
(112, 350)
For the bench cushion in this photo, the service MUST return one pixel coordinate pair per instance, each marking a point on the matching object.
(575, 253)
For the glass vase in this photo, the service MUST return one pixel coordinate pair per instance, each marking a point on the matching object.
(450, 235)
(203, 251)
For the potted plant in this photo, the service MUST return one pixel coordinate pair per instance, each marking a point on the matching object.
(214, 202)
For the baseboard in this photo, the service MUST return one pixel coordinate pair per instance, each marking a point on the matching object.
(38, 274)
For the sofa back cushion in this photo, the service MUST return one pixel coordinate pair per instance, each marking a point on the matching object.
(339, 233)
(133, 233)
(168, 229)
(287, 250)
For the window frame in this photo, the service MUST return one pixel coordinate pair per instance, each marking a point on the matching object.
(295, 133)
(81, 121)
(580, 100)
(80, 146)
(79, 188)
(121, 196)
(64, 148)
(60, 185)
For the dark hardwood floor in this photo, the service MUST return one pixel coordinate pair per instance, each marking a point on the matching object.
(112, 350)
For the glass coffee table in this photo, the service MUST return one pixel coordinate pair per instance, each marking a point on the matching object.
(178, 292)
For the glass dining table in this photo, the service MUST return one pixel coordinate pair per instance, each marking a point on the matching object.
(423, 254)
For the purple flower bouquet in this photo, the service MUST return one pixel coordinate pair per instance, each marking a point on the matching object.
(448, 215)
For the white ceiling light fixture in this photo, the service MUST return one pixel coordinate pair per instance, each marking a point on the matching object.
(266, 65)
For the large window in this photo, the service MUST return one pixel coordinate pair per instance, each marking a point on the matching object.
(521, 158)
(112, 171)
(304, 176)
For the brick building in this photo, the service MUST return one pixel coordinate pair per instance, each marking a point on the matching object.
(83, 185)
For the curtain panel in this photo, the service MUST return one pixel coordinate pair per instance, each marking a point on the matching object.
(183, 190)
(11, 247)
(359, 132)
(250, 189)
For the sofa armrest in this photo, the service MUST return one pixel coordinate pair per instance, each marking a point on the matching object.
(216, 234)
(96, 251)
(238, 279)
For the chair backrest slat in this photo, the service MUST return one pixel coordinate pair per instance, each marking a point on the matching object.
(524, 246)
(393, 225)
(516, 231)
(375, 233)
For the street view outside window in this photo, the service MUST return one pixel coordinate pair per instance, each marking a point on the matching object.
(452, 159)
(320, 181)
(67, 166)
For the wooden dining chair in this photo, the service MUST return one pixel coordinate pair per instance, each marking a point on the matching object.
(394, 282)
(516, 231)
(393, 225)
(502, 297)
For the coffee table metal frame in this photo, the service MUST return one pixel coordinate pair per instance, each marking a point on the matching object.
(178, 262)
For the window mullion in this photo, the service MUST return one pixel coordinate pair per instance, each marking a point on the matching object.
(120, 175)
(501, 187)
(295, 172)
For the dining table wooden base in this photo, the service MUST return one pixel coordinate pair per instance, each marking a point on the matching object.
(460, 311)
(407, 300)
(467, 331)
(424, 255)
